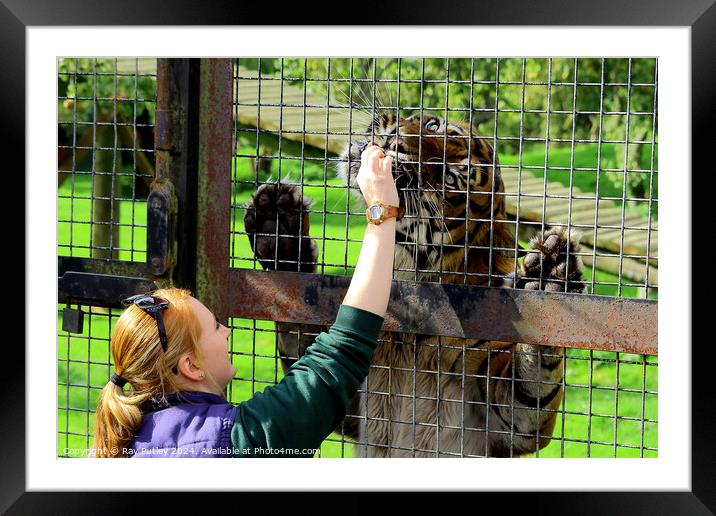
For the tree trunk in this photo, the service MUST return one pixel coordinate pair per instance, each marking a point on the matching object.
(105, 190)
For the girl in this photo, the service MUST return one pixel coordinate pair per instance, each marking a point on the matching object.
(173, 352)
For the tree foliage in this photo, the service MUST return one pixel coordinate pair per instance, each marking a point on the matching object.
(88, 88)
(524, 104)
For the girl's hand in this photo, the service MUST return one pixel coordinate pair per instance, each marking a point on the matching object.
(375, 177)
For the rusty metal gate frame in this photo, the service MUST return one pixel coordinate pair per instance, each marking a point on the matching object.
(532, 317)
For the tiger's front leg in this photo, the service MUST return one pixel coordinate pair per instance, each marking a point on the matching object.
(277, 225)
(528, 409)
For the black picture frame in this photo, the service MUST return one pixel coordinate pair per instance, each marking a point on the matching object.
(700, 15)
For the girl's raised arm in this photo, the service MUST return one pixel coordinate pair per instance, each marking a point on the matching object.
(370, 285)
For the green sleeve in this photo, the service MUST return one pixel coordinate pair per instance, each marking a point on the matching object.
(299, 412)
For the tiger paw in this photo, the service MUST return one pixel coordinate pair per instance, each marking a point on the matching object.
(547, 266)
(276, 222)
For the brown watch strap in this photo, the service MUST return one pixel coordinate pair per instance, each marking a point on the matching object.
(394, 211)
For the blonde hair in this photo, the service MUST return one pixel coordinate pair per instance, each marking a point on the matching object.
(140, 359)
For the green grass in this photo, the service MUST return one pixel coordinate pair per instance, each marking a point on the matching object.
(83, 367)
(84, 361)
(75, 213)
(609, 436)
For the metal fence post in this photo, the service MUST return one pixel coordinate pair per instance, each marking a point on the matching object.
(214, 185)
(172, 256)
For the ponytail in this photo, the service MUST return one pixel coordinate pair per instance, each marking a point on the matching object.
(118, 417)
(140, 360)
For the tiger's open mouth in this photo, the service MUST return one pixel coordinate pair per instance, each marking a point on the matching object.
(404, 166)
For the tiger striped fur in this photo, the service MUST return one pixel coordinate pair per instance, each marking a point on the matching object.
(429, 396)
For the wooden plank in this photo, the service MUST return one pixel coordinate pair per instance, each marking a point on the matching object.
(607, 238)
(608, 211)
(141, 65)
(296, 119)
(637, 239)
(631, 269)
(611, 217)
(527, 181)
(582, 213)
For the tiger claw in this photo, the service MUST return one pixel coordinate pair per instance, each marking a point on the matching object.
(552, 263)
(276, 222)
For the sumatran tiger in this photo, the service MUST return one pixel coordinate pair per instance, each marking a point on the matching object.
(431, 396)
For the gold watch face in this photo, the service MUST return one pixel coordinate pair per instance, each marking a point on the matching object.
(375, 212)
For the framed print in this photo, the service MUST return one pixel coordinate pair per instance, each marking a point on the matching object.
(519, 140)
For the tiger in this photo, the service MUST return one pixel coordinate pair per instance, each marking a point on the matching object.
(429, 396)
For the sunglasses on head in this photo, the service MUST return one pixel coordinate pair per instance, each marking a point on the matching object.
(154, 306)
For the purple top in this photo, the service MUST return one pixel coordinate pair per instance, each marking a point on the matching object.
(190, 424)
(289, 419)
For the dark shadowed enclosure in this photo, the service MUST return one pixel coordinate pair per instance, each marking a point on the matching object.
(526, 277)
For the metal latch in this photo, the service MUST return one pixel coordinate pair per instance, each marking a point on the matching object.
(159, 232)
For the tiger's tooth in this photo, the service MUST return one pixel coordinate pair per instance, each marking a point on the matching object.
(399, 155)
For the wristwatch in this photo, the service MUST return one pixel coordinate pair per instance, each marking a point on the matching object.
(378, 212)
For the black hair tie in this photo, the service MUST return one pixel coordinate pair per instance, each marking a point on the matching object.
(117, 380)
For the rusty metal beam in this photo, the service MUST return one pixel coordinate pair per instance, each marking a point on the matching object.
(99, 289)
(465, 311)
(99, 266)
(214, 185)
(99, 282)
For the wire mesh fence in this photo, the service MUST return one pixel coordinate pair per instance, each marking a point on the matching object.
(575, 144)
(490, 153)
(105, 163)
(105, 156)
(608, 409)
